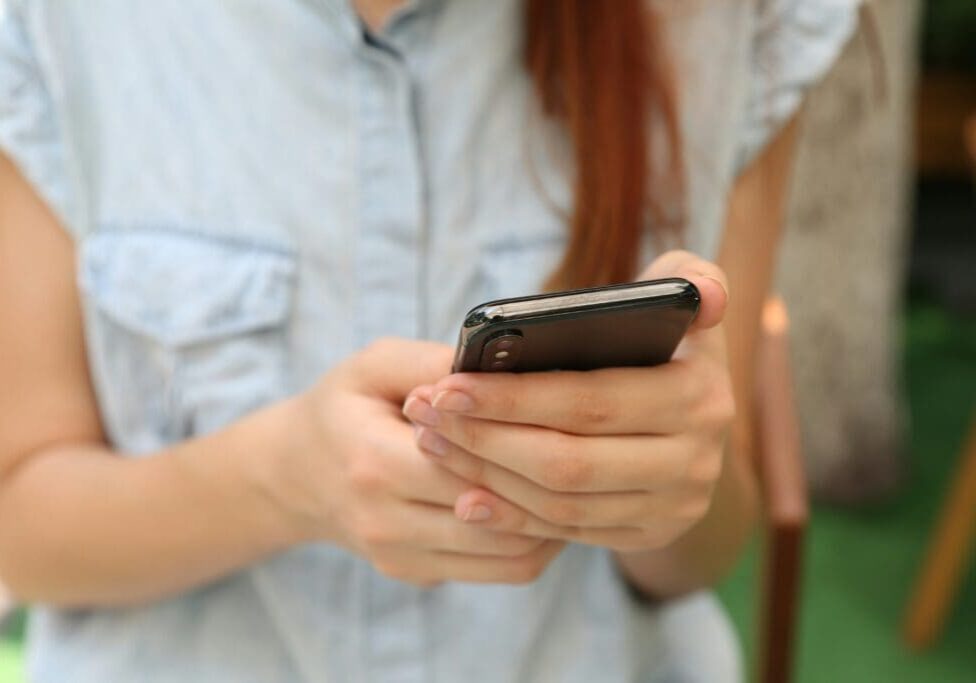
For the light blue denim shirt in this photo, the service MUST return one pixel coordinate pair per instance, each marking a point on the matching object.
(256, 191)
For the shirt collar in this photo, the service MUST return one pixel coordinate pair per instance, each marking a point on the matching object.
(346, 12)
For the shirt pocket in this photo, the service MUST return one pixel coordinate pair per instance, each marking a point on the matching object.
(186, 332)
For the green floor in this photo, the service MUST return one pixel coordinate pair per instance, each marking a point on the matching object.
(860, 564)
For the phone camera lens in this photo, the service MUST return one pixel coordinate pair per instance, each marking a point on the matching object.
(501, 352)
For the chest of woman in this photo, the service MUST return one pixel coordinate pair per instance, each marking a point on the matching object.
(259, 200)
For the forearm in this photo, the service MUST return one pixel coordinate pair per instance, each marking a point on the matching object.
(81, 526)
(704, 554)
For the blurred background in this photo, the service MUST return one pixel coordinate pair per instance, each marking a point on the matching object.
(879, 273)
(878, 270)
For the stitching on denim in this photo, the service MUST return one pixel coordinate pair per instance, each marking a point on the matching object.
(233, 241)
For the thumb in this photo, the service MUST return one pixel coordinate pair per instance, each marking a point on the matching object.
(708, 278)
(391, 367)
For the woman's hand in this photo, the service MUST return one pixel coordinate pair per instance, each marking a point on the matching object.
(352, 475)
(626, 458)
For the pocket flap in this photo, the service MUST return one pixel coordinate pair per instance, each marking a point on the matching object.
(184, 288)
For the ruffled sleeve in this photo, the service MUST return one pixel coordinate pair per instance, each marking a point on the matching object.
(794, 44)
(29, 133)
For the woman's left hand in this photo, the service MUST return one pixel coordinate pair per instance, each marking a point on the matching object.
(626, 458)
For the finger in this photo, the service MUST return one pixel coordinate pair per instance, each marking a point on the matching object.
(509, 517)
(402, 470)
(500, 488)
(563, 462)
(416, 407)
(424, 391)
(710, 280)
(483, 507)
(628, 508)
(437, 528)
(512, 570)
(391, 367)
(664, 399)
(705, 338)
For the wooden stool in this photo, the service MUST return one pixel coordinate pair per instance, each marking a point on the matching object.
(951, 539)
(946, 557)
(945, 561)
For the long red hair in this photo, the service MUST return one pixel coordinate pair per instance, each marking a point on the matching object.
(599, 68)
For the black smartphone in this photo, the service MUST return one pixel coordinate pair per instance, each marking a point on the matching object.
(634, 324)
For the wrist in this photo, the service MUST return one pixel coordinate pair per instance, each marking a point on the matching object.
(275, 473)
(237, 470)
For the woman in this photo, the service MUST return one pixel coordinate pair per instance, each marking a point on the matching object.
(210, 469)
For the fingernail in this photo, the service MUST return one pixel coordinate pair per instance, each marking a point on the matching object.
(431, 442)
(720, 283)
(418, 410)
(453, 401)
(477, 513)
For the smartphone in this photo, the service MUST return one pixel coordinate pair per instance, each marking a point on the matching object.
(634, 324)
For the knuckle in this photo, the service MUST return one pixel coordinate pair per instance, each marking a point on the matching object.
(505, 402)
(709, 393)
(694, 509)
(561, 511)
(374, 535)
(513, 520)
(706, 374)
(567, 471)
(472, 468)
(718, 403)
(397, 571)
(517, 546)
(472, 434)
(366, 476)
(571, 533)
(391, 569)
(704, 471)
(589, 410)
(655, 538)
(525, 569)
(693, 385)
(671, 471)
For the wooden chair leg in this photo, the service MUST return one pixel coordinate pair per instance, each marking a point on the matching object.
(779, 611)
(945, 560)
(784, 498)
(969, 134)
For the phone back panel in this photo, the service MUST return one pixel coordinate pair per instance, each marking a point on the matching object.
(635, 333)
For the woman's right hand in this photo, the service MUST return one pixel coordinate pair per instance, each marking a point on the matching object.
(351, 474)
